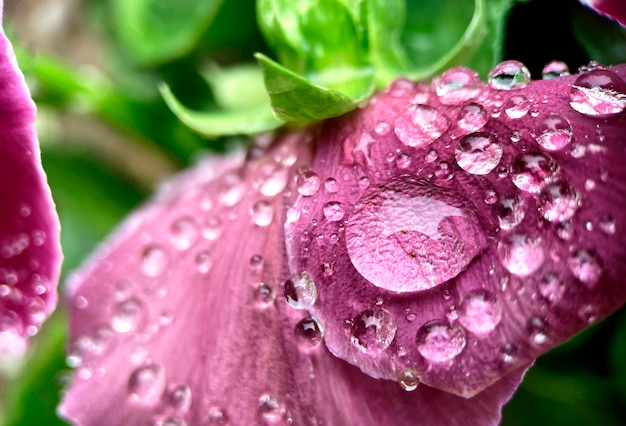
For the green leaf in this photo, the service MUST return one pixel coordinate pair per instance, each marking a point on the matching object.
(156, 31)
(296, 99)
(603, 39)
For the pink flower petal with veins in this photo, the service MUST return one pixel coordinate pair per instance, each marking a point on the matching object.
(614, 9)
(30, 253)
(473, 237)
(181, 318)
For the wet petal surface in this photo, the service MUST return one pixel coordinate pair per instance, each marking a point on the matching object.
(478, 230)
(615, 9)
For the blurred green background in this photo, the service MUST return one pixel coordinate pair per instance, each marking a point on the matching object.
(108, 139)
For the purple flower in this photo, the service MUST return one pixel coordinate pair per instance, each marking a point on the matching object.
(614, 9)
(30, 254)
(439, 238)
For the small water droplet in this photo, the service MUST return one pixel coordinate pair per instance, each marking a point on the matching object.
(472, 117)
(180, 398)
(479, 312)
(510, 212)
(490, 197)
(439, 341)
(516, 106)
(204, 261)
(403, 161)
(264, 295)
(457, 85)
(586, 267)
(421, 125)
(533, 171)
(382, 128)
(213, 228)
(126, 315)
(184, 233)
(520, 254)
(331, 185)
(516, 136)
(232, 189)
(478, 153)
(598, 93)
(554, 69)
(559, 202)
(409, 379)
(373, 330)
(217, 416)
(154, 261)
(538, 330)
(553, 132)
(262, 213)
(333, 211)
(308, 183)
(552, 287)
(509, 75)
(588, 313)
(308, 332)
(146, 384)
(508, 352)
(300, 291)
(271, 408)
(171, 421)
(607, 224)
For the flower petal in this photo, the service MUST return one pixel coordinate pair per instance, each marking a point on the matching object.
(614, 9)
(30, 254)
(179, 320)
(459, 230)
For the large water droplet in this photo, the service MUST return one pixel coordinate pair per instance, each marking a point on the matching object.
(472, 117)
(533, 171)
(439, 341)
(516, 106)
(333, 211)
(553, 132)
(520, 254)
(146, 384)
(510, 212)
(559, 202)
(154, 261)
(300, 291)
(126, 315)
(509, 75)
(420, 125)
(478, 153)
(373, 330)
(598, 93)
(184, 233)
(331, 185)
(586, 267)
(479, 312)
(554, 69)
(262, 213)
(308, 183)
(308, 332)
(409, 379)
(409, 235)
(457, 85)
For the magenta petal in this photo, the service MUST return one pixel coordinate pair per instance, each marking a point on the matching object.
(180, 319)
(615, 9)
(459, 231)
(30, 253)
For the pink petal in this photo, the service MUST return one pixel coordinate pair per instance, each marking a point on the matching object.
(180, 319)
(614, 9)
(462, 229)
(30, 254)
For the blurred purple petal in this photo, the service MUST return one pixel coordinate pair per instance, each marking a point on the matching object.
(614, 9)
(30, 254)
(457, 231)
(181, 319)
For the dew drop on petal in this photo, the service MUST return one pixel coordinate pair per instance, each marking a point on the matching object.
(184, 233)
(126, 315)
(420, 125)
(510, 212)
(331, 185)
(457, 85)
(333, 211)
(409, 235)
(216, 416)
(516, 106)
(213, 228)
(300, 291)
(154, 261)
(271, 408)
(537, 330)
(264, 295)
(598, 93)
(607, 224)
(180, 398)
(520, 254)
(554, 69)
(373, 330)
(586, 267)
(308, 183)
(509, 75)
(553, 132)
(146, 384)
(551, 287)
(382, 128)
(533, 171)
(262, 213)
(308, 332)
(478, 153)
(171, 421)
(409, 379)
(479, 311)
(558, 202)
(472, 117)
(203, 261)
(439, 341)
